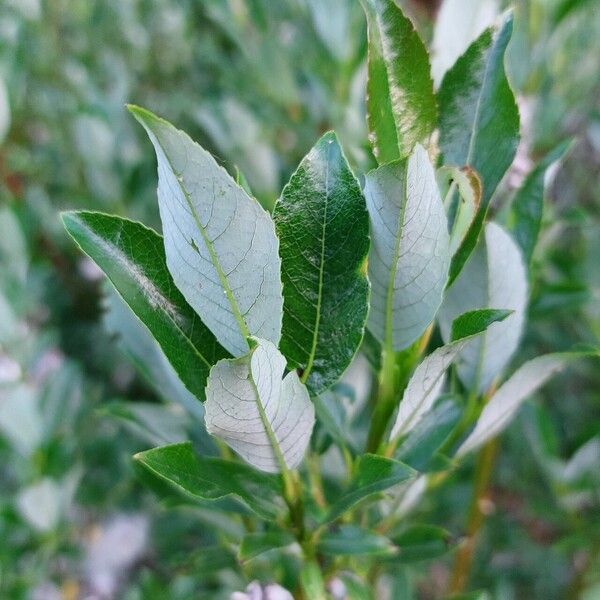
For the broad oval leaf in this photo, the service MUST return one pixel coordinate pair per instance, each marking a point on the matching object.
(427, 381)
(503, 405)
(323, 227)
(479, 123)
(214, 478)
(220, 244)
(401, 105)
(266, 419)
(409, 257)
(374, 474)
(133, 258)
(494, 277)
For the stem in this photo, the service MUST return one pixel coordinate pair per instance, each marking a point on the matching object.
(315, 480)
(385, 400)
(396, 369)
(464, 556)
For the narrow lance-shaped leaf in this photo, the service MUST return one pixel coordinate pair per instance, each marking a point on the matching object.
(220, 244)
(214, 478)
(266, 419)
(350, 540)
(420, 449)
(427, 381)
(409, 257)
(479, 123)
(494, 277)
(528, 204)
(254, 544)
(133, 258)
(401, 105)
(323, 227)
(504, 404)
(374, 474)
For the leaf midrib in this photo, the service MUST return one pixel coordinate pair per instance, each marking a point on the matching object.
(265, 420)
(213, 255)
(315, 340)
(389, 302)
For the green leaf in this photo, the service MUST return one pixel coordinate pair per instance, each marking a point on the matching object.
(144, 352)
(422, 542)
(312, 582)
(213, 478)
(254, 544)
(476, 321)
(457, 24)
(373, 475)
(507, 400)
(528, 204)
(323, 227)
(419, 448)
(409, 256)
(152, 422)
(427, 381)
(479, 123)
(494, 277)
(133, 258)
(350, 540)
(265, 418)
(401, 105)
(220, 244)
(461, 190)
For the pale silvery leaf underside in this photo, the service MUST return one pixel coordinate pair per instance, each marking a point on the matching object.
(220, 244)
(409, 257)
(493, 277)
(503, 405)
(265, 417)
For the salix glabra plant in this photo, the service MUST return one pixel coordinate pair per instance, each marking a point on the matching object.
(261, 314)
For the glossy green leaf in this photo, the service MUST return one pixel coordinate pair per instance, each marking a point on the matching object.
(422, 542)
(254, 544)
(427, 381)
(528, 204)
(214, 478)
(374, 474)
(476, 321)
(323, 227)
(133, 258)
(494, 277)
(220, 244)
(507, 400)
(479, 123)
(265, 417)
(401, 105)
(409, 256)
(350, 540)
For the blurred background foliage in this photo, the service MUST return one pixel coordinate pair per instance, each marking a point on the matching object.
(256, 82)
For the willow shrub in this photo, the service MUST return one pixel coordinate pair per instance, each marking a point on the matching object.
(261, 314)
